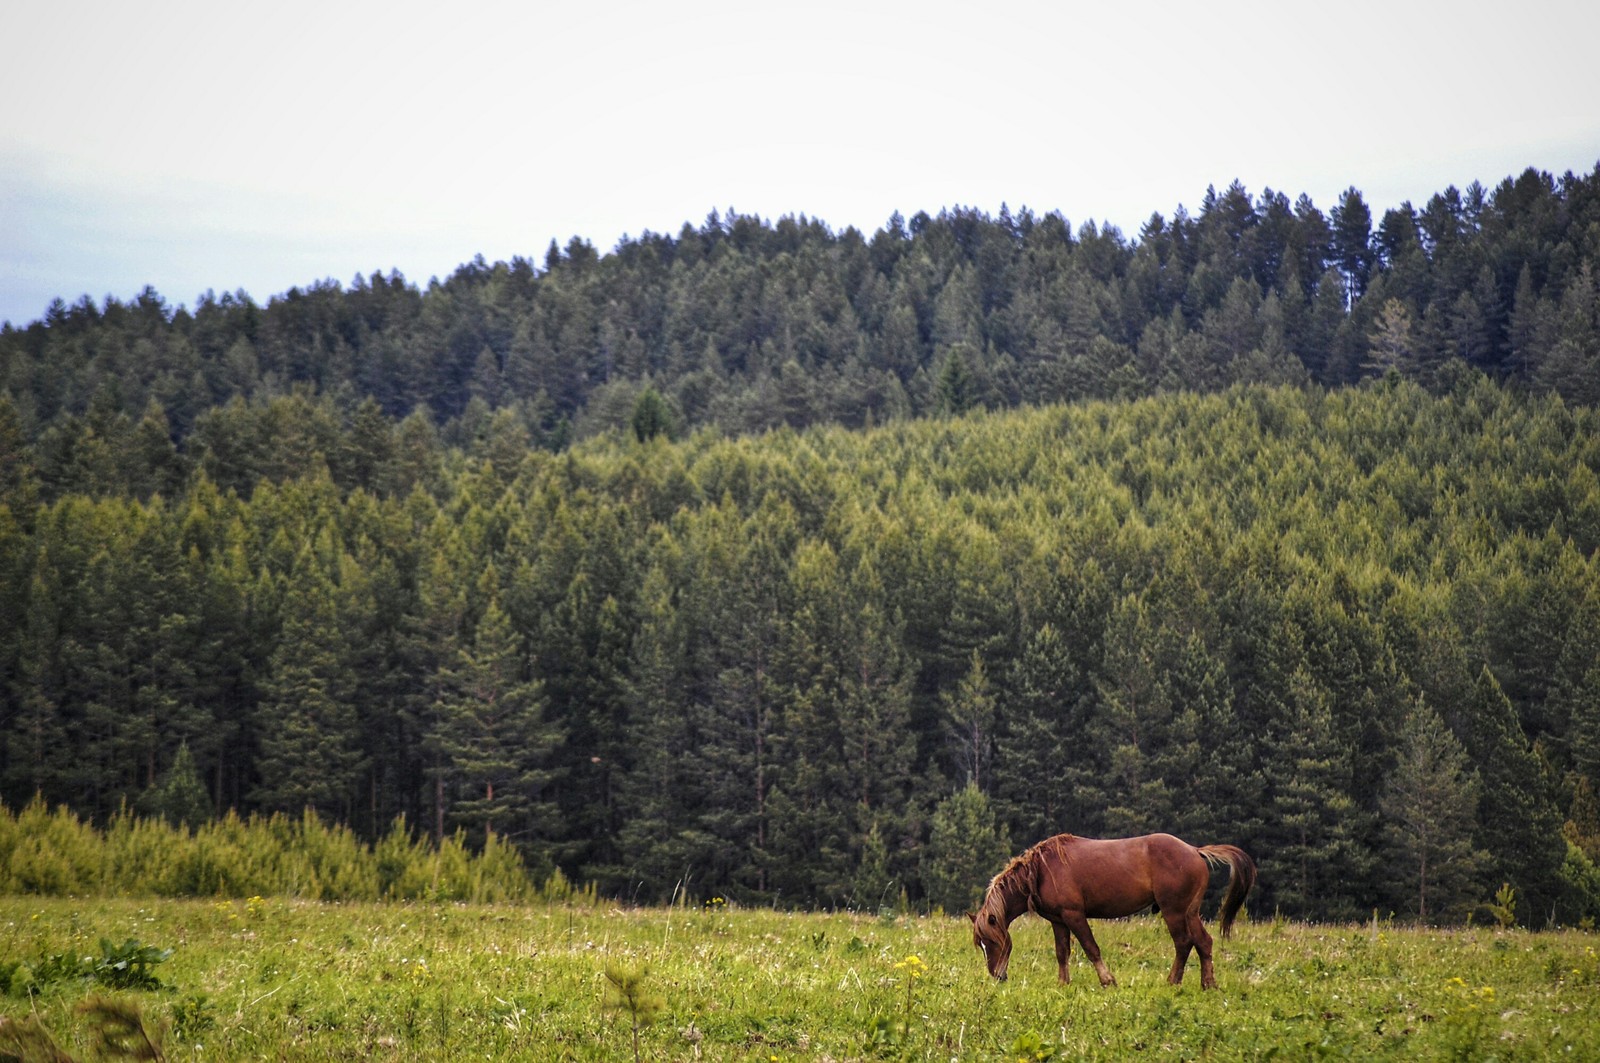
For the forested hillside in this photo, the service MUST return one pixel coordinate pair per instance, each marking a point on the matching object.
(745, 324)
(811, 567)
(1354, 631)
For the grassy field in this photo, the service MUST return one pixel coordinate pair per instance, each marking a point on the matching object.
(285, 980)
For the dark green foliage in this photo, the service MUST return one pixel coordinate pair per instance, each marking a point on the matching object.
(740, 666)
(751, 324)
(491, 727)
(1352, 241)
(192, 1016)
(957, 391)
(651, 416)
(1518, 822)
(309, 752)
(969, 712)
(1316, 823)
(125, 966)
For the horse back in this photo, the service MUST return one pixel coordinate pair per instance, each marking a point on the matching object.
(1108, 878)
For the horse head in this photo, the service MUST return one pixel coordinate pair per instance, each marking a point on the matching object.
(991, 937)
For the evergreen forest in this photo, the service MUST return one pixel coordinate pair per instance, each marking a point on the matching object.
(814, 569)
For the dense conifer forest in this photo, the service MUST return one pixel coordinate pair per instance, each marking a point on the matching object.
(812, 568)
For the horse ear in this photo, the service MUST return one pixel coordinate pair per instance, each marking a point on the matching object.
(972, 917)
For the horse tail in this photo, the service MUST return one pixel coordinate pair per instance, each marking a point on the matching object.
(1241, 876)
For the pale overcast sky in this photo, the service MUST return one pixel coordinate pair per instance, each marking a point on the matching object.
(195, 146)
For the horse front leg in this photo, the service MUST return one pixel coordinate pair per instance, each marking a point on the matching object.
(1080, 930)
(1063, 952)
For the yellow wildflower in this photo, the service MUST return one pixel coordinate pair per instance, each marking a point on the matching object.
(912, 965)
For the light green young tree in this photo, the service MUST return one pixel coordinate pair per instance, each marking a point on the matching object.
(178, 796)
(969, 712)
(965, 849)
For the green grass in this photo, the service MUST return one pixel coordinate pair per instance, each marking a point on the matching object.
(289, 980)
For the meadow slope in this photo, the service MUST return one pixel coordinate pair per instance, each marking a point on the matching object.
(291, 980)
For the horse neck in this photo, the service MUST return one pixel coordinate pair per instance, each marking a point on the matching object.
(1010, 897)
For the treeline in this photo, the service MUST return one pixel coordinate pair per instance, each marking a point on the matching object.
(745, 324)
(1354, 631)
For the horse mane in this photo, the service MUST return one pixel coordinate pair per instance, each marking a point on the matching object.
(1021, 873)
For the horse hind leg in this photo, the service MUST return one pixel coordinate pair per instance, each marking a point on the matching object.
(1202, 945)
(1181, 926)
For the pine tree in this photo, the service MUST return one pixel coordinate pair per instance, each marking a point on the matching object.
(1318, 852)
(665, 848)
(367, 452)
(847, 745)
(1324, 349)
(1571, 359)
(1393, 345)
(19, 479)
(872, 877)
(1579, 697)
(957, 391)
(35, 738)
(491, 725)
(1523, 326)
(1039, 760)
(735, 665)
(310, 756)
(651, 416)
(1352, 241)
(1519, 824)
(1138, 731)
(152, 461)
(1430, 802)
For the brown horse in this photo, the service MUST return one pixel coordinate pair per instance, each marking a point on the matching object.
(1069, 880)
